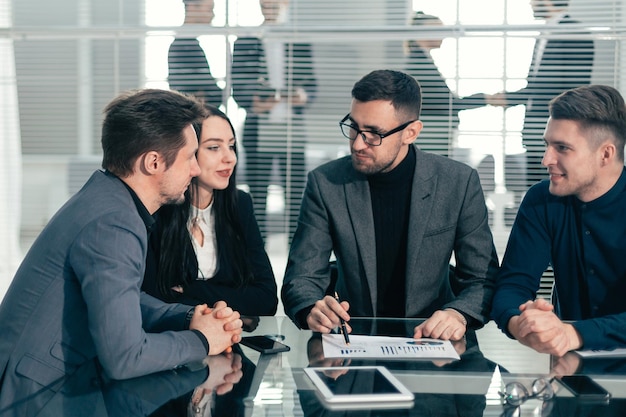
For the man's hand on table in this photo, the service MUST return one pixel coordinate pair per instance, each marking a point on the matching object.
(539, 328)
(326, 313)
(445, 324)
(221, 325)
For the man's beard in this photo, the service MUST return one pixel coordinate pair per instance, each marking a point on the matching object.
(370, 169)
(174, 200)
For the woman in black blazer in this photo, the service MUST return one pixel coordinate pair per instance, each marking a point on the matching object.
(209, 248)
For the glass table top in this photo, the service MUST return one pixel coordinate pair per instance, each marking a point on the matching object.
(247, 383)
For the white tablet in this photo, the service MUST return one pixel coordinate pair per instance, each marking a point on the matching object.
(359, 387)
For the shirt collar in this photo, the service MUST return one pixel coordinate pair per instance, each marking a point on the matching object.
(201, 214)
(143, 212)
(400, 174)
(610, 196)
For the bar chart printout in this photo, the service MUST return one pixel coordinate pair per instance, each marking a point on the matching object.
(387, 347)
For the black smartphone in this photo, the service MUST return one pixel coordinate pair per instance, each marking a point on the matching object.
(264, 344)
(585, 388)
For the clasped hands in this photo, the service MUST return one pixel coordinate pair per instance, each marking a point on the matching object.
(445, 324)
(497, 99)
(221, 325)
(539, 328)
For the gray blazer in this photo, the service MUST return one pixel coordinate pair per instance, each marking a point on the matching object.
(77, 297)
(448, 215)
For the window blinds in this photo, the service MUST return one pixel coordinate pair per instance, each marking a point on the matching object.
(73, 56)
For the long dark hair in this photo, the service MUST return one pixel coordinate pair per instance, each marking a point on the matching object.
(178, 264)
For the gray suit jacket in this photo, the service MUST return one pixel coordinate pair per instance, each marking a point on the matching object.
(77, 297)
(448, 215)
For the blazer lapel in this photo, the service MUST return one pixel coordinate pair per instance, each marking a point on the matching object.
(422, 193)
(358, 200)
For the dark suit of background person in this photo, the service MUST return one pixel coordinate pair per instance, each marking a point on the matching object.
(557, 65)
(440, 106)
(76, 297)
(265, 140)
(256, 299)
(447, 213)
(189, 70)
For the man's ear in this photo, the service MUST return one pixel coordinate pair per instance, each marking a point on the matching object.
(608, 152)
(151, 163)
(412, 131)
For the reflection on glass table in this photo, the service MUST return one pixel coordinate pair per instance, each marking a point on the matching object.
(214, 387)
(247, 383)
(436, 404)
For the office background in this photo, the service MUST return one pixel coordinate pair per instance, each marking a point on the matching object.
(64, 60)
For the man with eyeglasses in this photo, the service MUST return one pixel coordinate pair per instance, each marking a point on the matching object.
(393, 216)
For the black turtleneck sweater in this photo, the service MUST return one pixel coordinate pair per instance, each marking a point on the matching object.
(391, 202)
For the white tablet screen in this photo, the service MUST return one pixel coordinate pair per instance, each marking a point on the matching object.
(358, 384)
(379, 384)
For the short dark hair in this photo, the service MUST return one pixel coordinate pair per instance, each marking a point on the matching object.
(420, 18)
(190, 2)
(599, 110)
(560, 3)
(139, 121)
(401, 89)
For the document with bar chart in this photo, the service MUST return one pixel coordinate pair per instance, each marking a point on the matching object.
(386, 347)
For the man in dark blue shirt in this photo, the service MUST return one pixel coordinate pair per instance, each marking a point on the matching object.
(575, 222)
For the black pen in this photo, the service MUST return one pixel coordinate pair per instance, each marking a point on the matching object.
(343, 324)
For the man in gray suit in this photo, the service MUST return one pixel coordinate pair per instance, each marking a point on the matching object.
(75, 302)
(393, 216)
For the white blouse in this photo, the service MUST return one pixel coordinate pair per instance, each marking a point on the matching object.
(207, 252)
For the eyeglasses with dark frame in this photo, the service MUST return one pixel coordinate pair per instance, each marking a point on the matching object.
(351, 132)
(515, 393)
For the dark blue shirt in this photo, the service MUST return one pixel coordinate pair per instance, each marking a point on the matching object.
(586, 245)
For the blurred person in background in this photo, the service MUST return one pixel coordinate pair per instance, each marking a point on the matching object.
(440, 106)
(558, 64)
(273, 81)
(189, 70)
